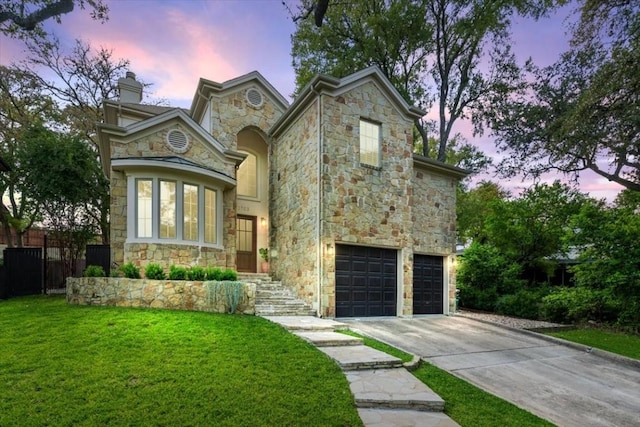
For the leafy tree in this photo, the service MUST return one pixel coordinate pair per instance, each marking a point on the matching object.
(23, 18)
(607, 239)
(84, 79)
(417, 44)
(63, 177)
(22, 105)
(473, 209)
(529, 230)
(582, 112)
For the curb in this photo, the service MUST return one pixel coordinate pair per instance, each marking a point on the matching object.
(607, 355)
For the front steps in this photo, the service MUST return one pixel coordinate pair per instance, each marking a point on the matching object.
(274, 299)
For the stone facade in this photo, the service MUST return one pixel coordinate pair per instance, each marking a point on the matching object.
(314, 193)
(179, 295)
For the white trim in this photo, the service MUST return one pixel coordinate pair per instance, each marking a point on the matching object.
(141, 162)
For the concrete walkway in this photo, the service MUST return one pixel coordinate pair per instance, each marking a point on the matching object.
(386, 394)
(566, 384)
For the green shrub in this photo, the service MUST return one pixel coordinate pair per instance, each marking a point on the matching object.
(524, 303)
(229, 274)
(196, 273)
(213, 273)
(130, 271)
(154, 271)
(479, 299)
(484, 267)
(177, 272)
(115, 272)
(94, 271)
(579, 304)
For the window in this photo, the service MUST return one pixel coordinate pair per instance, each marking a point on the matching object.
(167, 209)
(369, 143)
(158, 203)
(190, 212)
(210, 230)
(248, 176)
(144, 211)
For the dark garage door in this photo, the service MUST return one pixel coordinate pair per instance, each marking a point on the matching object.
(427, 284)
(366, 281)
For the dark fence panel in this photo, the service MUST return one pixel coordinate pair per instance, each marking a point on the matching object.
(4, 294)
(23, 271)
(99, 255)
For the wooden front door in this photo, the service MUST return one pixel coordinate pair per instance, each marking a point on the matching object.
(246, 243)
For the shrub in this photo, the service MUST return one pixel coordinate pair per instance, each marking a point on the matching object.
(483, 267)
(213, 273)
(196, 273)
(154, 271)
(177, 273)
(130, 271)
(94, 271)
(579, 304)
(479, 299)
(524, 303)
(229, 274)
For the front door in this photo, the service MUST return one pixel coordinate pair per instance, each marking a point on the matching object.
(246, 243)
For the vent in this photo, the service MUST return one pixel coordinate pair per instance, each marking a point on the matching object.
(254, 98)
(177, 141)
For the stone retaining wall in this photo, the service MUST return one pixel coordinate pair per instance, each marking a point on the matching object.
(180, 295)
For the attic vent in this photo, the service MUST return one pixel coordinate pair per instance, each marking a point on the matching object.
(254, 98)
(177, 141)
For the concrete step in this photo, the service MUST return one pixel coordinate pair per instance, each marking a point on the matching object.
(306, 323)
(361, 357)
(283, 312)
(327, 338)
(404, 417)
(392, 389)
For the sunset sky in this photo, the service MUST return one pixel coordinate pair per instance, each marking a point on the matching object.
(172, 43)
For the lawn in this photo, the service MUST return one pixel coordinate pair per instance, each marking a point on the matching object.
(86, 366)
(465, 403)
(615, 342)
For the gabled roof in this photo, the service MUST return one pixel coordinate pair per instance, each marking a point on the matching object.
(143, 111)
(107, 130)
(330, 85)
(207, 88)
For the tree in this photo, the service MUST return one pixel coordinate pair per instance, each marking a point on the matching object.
(417, 44)
(24, 17)
(84, 80)
(473, 209)
(582, 112)
(23, 105)
(607, 240)
(65, 180)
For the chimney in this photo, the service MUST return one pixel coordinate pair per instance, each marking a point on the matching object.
(130, 89)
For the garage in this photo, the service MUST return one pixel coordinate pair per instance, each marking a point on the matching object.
(428, 284)
(366, 281)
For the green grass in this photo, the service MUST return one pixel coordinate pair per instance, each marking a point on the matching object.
(465, 403)
(63, 365)
(615, 342)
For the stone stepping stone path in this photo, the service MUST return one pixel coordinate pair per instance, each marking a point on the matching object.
(386, 394)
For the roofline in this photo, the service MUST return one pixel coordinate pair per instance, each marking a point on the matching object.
(206, 88)
(440, 167)
(127, 163)
(323, 83)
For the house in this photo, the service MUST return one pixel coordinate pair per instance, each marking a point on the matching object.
(356, 223)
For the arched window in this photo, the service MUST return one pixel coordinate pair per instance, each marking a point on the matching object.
(248, 176)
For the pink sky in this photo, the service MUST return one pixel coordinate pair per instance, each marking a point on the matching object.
(172, 43)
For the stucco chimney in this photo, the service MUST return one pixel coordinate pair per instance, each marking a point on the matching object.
(130, 89)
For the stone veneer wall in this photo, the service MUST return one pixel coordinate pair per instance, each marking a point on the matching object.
(434, 219)
(230, 114)
(180, 295)
(154, 144)
(364, 205)
(293, 205)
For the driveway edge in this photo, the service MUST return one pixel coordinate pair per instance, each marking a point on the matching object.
(612, 357)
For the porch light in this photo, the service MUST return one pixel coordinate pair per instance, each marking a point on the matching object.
(263, 221)
(329, 249)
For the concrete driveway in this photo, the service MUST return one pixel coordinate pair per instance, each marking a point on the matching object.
(566, 386)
